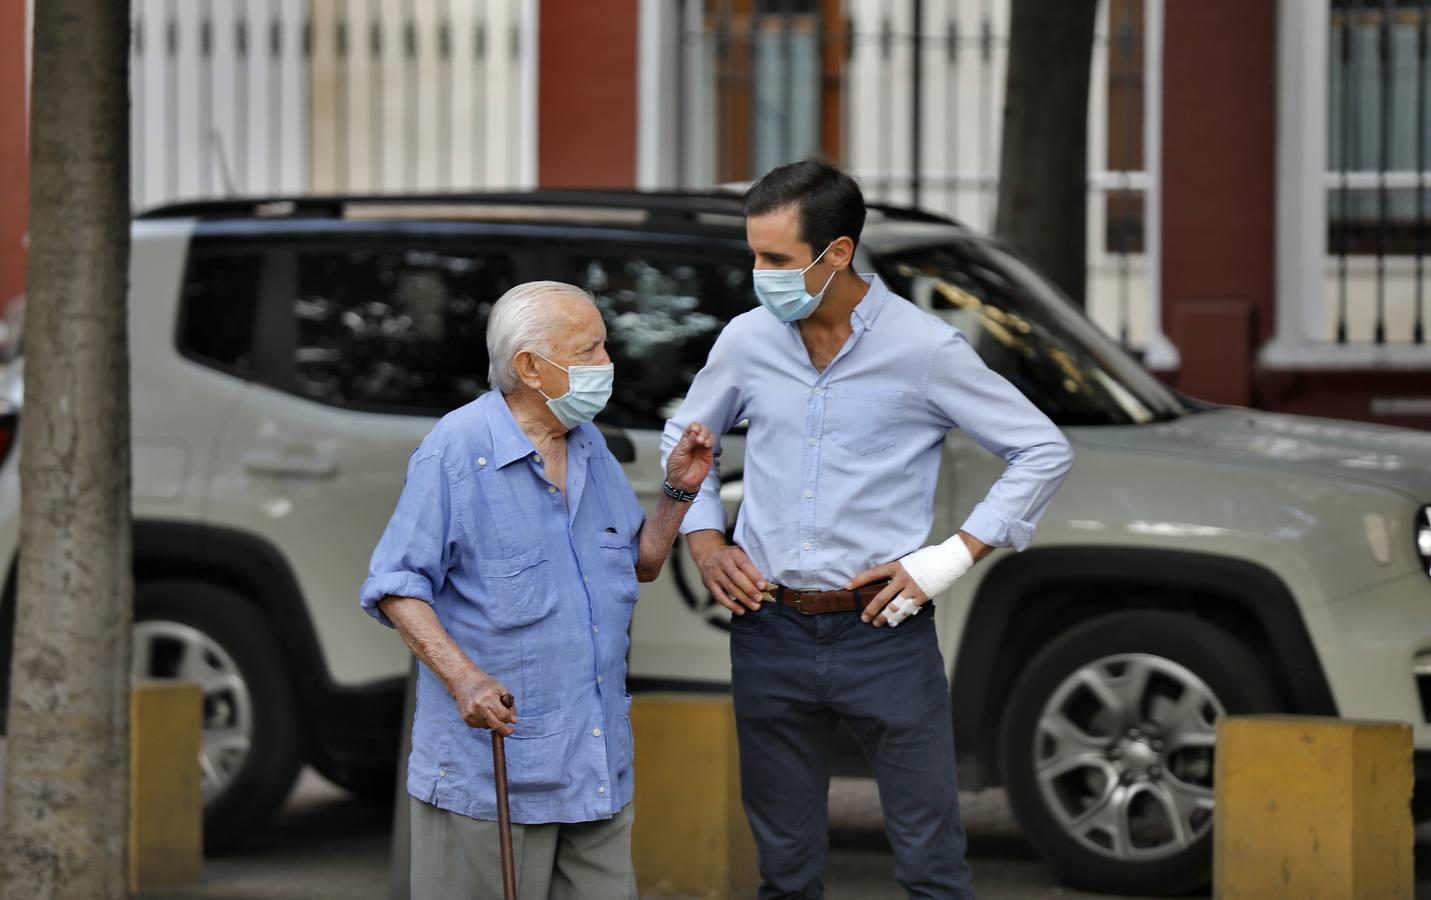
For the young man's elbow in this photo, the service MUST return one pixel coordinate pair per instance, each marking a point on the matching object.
(1062, 457)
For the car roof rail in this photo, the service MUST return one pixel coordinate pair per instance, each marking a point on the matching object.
(656, 204)
(711, 207)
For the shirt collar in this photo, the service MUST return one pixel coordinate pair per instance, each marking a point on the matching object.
(874, 300)
(509, 442)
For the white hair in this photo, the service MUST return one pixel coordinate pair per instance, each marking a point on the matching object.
(523, 319)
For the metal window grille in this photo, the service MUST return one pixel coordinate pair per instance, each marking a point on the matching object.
(258, 97)
(908, 95)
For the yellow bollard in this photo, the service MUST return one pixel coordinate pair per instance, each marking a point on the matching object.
(1309, 808)
(166, 805)
(691, 838)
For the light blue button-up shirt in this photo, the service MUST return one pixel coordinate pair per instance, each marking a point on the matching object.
(841, 465)
(537, 589)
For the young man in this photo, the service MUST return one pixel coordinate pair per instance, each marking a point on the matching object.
(511, 562)
(849, 391)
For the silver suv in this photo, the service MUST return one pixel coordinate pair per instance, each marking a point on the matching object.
(289, 355)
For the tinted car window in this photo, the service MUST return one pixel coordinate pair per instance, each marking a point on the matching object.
(220, 298)
(401, 328)
(1027, 332)
(662, 314)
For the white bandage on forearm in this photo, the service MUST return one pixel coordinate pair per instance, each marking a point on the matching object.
(936, 567)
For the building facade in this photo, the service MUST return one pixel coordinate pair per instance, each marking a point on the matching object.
(1258, 170)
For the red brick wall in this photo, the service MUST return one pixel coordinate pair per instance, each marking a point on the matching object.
(1218, 241)
(586, 87)
(14, 154)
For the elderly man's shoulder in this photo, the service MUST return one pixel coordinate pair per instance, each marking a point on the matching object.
(462, 436)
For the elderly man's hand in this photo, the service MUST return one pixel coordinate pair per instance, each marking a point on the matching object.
(479, 702)
(690, 461)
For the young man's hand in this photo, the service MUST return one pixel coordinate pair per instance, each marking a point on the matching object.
(727, 572)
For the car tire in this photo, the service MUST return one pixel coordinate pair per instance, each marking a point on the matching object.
(1106, 748)
(253, 746)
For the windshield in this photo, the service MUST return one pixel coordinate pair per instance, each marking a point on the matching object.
(1027, 332)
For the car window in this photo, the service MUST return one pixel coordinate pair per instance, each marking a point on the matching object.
(398, 328)
(1024, 330)
(219, 302)
(662, 315)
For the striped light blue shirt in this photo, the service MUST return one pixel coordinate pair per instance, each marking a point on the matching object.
(841, 465)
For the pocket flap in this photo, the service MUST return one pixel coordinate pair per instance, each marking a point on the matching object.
(545, 725)
(507, 566)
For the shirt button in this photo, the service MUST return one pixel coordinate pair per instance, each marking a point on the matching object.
(481, 460)
(441, 773)
(551, 489)
(596, 629)
(601, 790)
(598, 679)
(596, 732)
(814, 443)
(819, 391)
(809, 494)
(807, 546)
(536, 458)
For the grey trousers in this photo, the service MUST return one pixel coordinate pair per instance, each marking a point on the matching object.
(455, 857)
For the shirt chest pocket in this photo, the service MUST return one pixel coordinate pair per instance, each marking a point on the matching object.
(614, 550)
(864, 421)
(517, 590)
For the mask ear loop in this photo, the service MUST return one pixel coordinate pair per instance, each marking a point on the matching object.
(832, 271)
(564, 369)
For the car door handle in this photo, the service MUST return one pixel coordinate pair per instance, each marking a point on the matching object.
(303, 463)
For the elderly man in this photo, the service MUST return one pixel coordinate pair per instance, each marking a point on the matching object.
(510, 564)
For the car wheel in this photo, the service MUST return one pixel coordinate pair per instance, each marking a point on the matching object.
(1107, 748)
(252, 745)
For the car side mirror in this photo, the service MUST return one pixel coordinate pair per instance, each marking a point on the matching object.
(618, 442)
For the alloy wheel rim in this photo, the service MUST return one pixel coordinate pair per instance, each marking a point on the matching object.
(1123, 756)
(173, 650)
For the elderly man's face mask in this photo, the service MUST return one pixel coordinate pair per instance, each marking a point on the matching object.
(588, 389)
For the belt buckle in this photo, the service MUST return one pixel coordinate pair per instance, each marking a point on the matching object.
(800, 599)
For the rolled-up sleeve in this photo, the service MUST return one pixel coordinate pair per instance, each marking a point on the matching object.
(714, 401)
(413, 555)
(1003, 421)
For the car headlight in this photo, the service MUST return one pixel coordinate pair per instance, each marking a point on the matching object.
(1423, 537)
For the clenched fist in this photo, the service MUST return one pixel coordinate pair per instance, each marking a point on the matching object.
(479, 702)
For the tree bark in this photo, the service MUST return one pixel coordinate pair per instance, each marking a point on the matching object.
(67, 773)
(1043, 164)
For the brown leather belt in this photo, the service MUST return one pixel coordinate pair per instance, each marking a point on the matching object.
(814, 603)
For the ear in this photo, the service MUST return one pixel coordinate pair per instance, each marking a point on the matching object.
(842, 253)
(525, 364)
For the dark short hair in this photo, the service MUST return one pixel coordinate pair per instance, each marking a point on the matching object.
(828, 201)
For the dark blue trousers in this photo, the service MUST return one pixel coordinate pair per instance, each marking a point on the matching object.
(794, 677)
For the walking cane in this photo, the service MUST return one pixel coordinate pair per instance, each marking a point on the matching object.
(504, 815)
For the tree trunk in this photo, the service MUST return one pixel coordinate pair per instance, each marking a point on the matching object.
(1043, 165)
(67, 777)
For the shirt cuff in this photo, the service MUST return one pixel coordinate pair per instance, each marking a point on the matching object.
(704, 515)
(393, 584)
(998, 530)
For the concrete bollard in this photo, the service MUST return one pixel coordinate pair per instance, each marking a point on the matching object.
(1308, 807)
(166, 804)
(691, 838)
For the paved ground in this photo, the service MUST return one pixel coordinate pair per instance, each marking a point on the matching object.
(327, 845)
